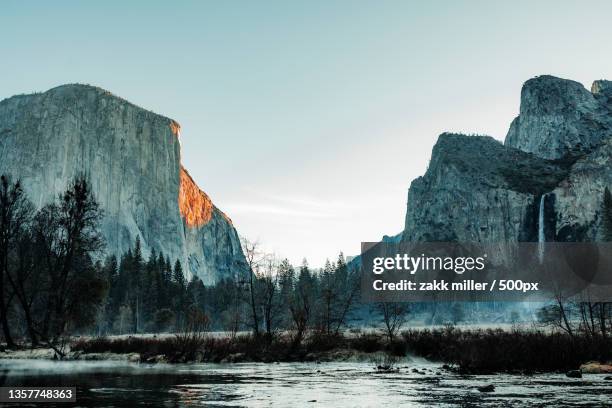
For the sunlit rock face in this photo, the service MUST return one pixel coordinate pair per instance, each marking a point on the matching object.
(132, 158)
(195, 206)
(560, 146)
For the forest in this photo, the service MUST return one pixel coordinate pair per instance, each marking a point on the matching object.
(57, 282)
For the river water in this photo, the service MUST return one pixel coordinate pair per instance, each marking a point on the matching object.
(118, 384)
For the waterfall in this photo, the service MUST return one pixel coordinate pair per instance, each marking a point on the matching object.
(541, 232)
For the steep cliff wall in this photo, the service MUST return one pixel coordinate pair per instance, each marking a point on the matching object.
(132, 157)
(559, 148)
(477, 190)
(558, 117)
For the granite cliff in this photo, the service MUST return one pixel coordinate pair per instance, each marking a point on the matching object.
(547, 178)
(132, 158)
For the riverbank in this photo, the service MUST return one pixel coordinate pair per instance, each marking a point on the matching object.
(43, 353)
(471, 351)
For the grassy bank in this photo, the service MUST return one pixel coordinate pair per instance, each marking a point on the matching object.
(469, 351)
(496, 350)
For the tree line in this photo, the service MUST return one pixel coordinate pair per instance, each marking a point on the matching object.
(274, 295)
(263, 295)
(56, 281)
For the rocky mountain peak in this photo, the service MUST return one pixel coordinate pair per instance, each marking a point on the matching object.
(602, 90)
(484, 160)
(601, 87)
(548, 178)
(559, 117)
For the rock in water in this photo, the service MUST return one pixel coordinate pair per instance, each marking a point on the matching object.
(132, 158)
(595, 367)
(574, 374)
(487, 388)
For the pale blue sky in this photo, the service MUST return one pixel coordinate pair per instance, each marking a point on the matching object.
(306, 121)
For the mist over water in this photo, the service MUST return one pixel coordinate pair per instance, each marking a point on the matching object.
(418, 384)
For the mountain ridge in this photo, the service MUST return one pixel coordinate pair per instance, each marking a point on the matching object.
(559, 147)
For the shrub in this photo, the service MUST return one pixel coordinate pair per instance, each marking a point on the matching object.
(368, 343)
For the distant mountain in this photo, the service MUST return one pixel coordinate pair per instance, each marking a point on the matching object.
(557, 155)
(133, 159)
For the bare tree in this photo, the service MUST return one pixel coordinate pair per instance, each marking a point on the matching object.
(604, 313)
(301, 302)
(594, 317)
(15, 214)
(338, 290)
(67, 235)
(347, 297)
(254, 259)
(24, 278)
(558, 315)
(269, 298)
(587, 311)
(232, 314)
(394, 315)
(192, 336)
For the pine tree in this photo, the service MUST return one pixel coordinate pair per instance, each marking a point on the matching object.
(168, 270)
(179, 297)
(286, 281)
(328, 294)
(179, 277)
(112, 303)
(340, 263)
(135, 293)
(164, 286)
(150, 289)
(111, 268)
(607, 215)
(341, 272)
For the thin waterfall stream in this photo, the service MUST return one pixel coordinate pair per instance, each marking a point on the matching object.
(541, 231)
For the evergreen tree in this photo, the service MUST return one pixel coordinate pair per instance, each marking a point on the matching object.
(150, 291)
(180, 295)
(179, 277)
(135, 291)
(607, 215)
(328, 294)
(111, 303)
(164, 283)
(168, 271)
(286, 280)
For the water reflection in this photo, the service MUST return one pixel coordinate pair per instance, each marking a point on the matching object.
(298, 385)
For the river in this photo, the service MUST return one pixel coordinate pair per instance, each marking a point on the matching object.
(113, 384)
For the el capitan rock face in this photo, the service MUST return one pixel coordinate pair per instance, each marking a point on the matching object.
(559, 147)
(132, 158)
